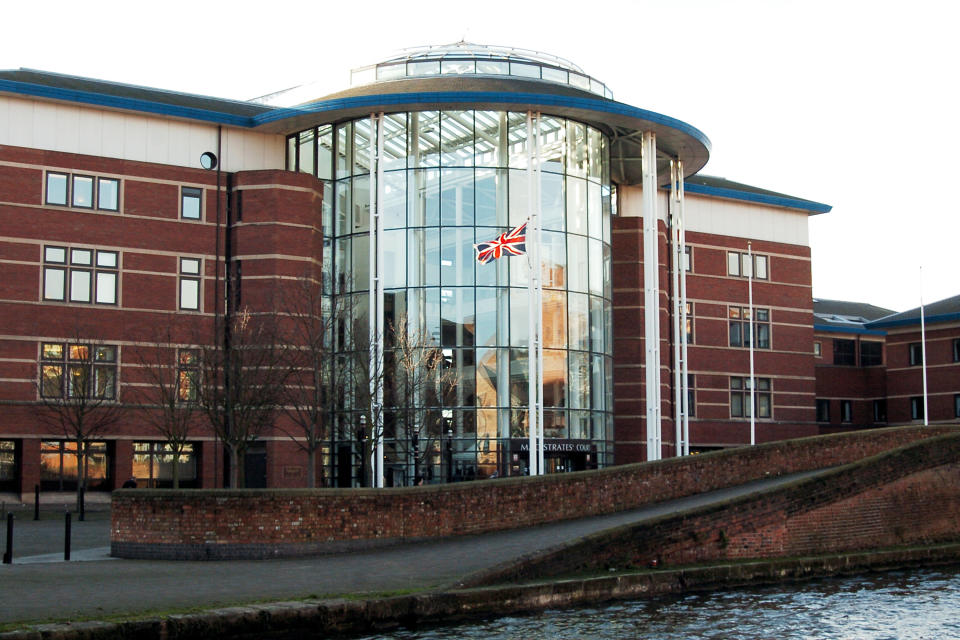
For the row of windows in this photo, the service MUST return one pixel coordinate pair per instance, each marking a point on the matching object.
(740, 397)
(915, 350)
(845, 352)
(82, 191)
(74, 274)
(738, 264)
(78, 370)
(846, 411)
(103, 194)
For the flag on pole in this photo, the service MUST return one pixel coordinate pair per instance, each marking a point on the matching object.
(513, 243)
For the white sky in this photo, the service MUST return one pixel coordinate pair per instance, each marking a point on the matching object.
(847, 102)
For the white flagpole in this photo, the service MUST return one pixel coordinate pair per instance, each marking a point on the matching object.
(923, 351)
(538, 272)
(753, 338)
(376, 301)
(532, 412)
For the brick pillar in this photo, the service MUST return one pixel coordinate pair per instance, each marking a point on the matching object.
(122, 462)
(29, 467)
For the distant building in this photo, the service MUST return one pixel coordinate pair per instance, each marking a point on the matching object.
(127, 210)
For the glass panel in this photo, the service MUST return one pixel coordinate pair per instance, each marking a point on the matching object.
(524, 70)
(519, 318)
(342, 262)
(456, 197)
(747, 268)
(551, 202)
(456, 317)
(107, 259)
(391, 72)
(429, 68)
(596, 267)
(394, 256)
(577, 80)
(596, 324)
(344, 206)
(55, 254)
(456, 256)
(733, 263)
(555, 75)
(79, 352)
(555, 319)
(307, 143)
(52, 351)
(517, 139)
(519, 198)
(361, 204)
(361, 262)
(432, 314)
(190, 203)
(595, 209)
(189, 294)
(519, 390)
(553, 253)
(57, 188)
(491, 139)
(579, 314)
(579, 386)
(424, 138)
(761, 267)
(576, 149)
(595, 154)
(577, 205)
(486, 321)
(457, 139)
(487, 378)
(82, 191)
(291, 153)
(577, 263)
(423, 257)
(51, 381)
(79, 286)
(108, 194)
(54, 281)
(424, 192)
(361, 146)
(552, 144)
(493, 67)
(491, 197)
(325, 152)
(106, 287)
(555, 424)
(344, 149)
(104, 381)
(81, 256)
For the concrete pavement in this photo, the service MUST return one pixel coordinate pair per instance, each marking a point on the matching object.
(41, 587)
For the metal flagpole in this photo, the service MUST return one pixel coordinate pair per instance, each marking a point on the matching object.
(923, 352)
(677, 350)
(538, 274)
(651, 300)
(376, 301)
(752, 327)
(685, 382)
(532, 410)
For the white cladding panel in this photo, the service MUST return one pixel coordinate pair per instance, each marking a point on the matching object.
(721, 216)
(130, 136)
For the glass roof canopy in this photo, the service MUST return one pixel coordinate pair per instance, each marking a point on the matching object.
(463, 58)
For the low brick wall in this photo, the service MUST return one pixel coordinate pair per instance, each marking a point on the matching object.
(223, 524)
(907, 496)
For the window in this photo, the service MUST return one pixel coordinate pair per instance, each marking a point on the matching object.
(190, 283)
(153, 465)
(78, 370)
(916, 354)
(823, 410)
(8, 465)
(689, 323)
(90, 275)
(740, 327)
(871, 354)
(188, 374)
(956, 405)
(687, 258)
(191, 203)
(879, 410)
(846, 411)
(956, 349)
(738, 264)
(691, 395)
(845, 353)
(817, 350)
(83, 191)
(740, 397)
(59, 465)
(916, 408)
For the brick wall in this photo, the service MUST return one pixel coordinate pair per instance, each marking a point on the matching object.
(221, 524)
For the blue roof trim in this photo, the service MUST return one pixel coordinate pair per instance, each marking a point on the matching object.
(399, 99)
(762, 198)
(857, 330)
(943, 317)
(130, 104)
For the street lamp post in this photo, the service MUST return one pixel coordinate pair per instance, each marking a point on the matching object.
(361, 437)
(449, 456)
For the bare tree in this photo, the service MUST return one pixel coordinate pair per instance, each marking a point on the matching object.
(78, 392)
(240, 384)
(308, 333)
(170, 405)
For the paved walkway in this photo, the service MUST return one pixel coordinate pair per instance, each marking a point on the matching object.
(39, 586)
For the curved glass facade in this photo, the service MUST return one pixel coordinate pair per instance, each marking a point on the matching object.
(452, 179)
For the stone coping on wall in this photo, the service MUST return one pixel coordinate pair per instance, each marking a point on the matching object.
(263, 523)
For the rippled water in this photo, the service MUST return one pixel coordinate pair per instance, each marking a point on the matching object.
(896, 606)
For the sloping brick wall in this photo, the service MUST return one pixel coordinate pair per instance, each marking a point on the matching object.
(267, 523)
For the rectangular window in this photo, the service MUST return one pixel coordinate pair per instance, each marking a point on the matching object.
(956, 405)
(108, 194)
(78, 371)
(84, 279)
(845, 353)
(691, 395)
(190, 284)
(59, 465)
(879, 410)
(57, 188)
(916, 354)
(740, 327)
(846, 411)
(687, 258)
(740, 397)
(817, 350)
(191, 203)
(823, 410)
(738, 264)
(871, 354)
(83, 192)
(956, 349)
(188, 372)
(153, 465)
(689, 326)
(8, 464)
(916, 408)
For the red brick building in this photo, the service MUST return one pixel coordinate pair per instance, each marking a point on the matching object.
(133, 220)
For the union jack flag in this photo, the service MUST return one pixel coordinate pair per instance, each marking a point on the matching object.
(513, 243)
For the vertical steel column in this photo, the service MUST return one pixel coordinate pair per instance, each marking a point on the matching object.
(538, 272)
(534, 383)
(753, 338)
(677, 260)
(376, 299)
(685, 373)
(651, 294)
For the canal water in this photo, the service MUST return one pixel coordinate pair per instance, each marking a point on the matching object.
(905, 605)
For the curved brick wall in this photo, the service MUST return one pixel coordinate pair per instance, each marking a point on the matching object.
(222, 524)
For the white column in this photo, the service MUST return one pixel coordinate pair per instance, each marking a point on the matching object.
(538, 273)
(685, 373)
(753, 339)
(376, 298)
(532, 410)
(681, 371)
(651, 281)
